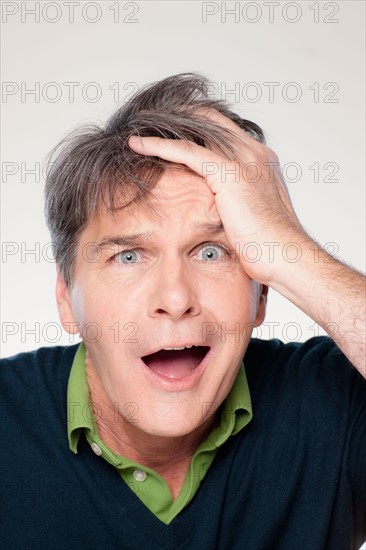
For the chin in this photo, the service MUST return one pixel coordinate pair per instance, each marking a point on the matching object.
(172, 424)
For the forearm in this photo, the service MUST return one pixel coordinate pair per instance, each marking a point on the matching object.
(331, 293)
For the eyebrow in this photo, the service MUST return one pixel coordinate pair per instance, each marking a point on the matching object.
(135, 239)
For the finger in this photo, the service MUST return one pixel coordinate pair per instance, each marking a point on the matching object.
(201, 160)
(173, 150)
(276, 176)
(283, 192)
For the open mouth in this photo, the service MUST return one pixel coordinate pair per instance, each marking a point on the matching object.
(176, 363)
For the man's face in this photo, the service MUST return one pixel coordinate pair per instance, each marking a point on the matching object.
(178, 287)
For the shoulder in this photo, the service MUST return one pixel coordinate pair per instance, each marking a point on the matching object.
(46, 357)
(315, 349)
(310, 401)
(318, 356)
(36, 369)
(33, 396)
(313, 374)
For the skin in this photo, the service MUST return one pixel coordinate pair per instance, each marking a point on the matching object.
(171, 293)
(258, 210)
(176, 287)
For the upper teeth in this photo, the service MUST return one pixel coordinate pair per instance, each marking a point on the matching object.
(183, 347)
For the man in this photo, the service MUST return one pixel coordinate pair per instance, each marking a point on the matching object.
(163, 429)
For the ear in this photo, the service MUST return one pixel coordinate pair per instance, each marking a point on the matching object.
(64, 306)
(262, 303)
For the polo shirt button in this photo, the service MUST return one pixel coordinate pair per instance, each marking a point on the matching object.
(96, 449)
(139, 475)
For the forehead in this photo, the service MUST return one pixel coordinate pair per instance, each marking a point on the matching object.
(178, 187)
(179, 198)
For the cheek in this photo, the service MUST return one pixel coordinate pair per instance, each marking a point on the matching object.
(230, 312)
(238, 300)
(109, 321)
(99, 302)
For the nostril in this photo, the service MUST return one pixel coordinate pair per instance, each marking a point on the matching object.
(176, 312)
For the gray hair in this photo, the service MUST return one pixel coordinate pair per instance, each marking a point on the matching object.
(94, 167)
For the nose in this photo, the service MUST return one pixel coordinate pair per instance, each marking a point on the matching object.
(174, 290)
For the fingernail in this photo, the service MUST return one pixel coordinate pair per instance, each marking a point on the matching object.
(136, 142)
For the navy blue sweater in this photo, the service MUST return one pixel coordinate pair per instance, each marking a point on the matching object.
(293, 479)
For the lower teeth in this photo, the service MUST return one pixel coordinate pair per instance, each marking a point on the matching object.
(172, 375)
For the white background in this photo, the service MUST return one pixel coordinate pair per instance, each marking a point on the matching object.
(319, 118)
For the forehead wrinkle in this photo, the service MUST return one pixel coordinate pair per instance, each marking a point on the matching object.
(202, 228)
(180, 185)
(207, 227)
(125, 240)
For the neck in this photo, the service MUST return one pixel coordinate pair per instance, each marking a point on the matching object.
(170, 457)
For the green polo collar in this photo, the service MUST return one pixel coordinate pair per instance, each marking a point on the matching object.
(235, 414)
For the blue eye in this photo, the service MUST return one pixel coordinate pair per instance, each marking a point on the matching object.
(128, 255)
(213, 252)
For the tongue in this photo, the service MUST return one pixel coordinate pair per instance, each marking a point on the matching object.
(174, 363)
